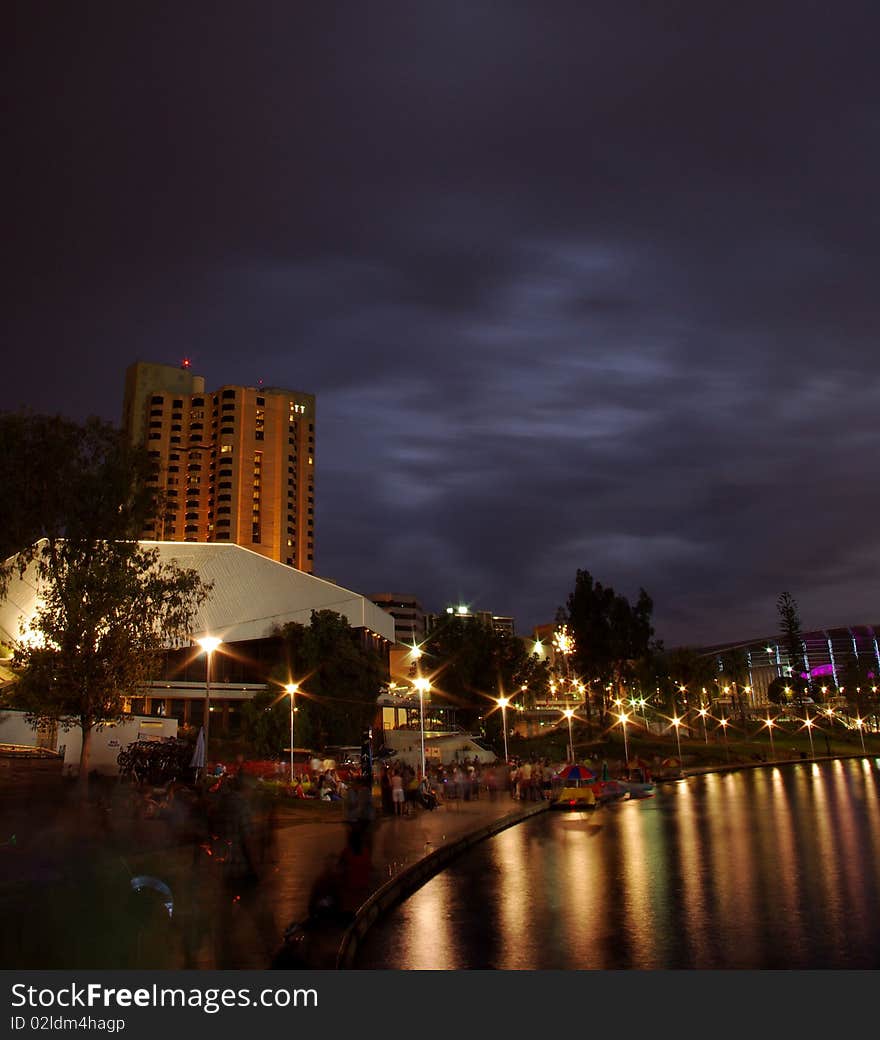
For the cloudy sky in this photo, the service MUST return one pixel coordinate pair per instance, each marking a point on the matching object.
(577, 285)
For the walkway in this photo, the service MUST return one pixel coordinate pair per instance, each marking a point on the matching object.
(65, 886)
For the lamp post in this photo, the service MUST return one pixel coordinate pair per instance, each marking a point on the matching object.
(808, 722)
(568, 714)
(644, 713)
(677, 723)
(209, 644)
(292, 689)
(860, 722)
(702, 713)
(768, 722)
(422, 685)
(502, 704)
(624, 719)
(723, 724)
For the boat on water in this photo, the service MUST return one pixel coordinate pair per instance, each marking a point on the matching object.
(582, 790)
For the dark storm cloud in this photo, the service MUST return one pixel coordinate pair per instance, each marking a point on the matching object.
(576, 285)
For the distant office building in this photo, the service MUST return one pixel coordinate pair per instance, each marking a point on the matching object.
(409, 617)
(236, 464)
(499, 622)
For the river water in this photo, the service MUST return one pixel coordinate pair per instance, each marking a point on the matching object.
(767, 868)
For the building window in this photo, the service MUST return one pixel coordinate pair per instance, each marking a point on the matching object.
(155, 437)
(223, 510)
(228, 395)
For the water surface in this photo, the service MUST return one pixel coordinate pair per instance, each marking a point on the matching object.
(769, 868)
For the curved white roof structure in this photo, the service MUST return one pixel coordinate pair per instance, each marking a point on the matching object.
(252, 595)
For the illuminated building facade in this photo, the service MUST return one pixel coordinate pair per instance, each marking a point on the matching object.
(236, 464)
(499, 622)
(409, 617)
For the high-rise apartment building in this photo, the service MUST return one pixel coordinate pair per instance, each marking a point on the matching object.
(236, 464)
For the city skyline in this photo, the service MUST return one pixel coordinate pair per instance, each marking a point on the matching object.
(581, 288)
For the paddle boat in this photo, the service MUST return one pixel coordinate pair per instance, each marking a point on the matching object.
(637, 783)
(581, 790)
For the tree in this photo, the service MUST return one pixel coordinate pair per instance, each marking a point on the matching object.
(687, 674)
(780, 691)
(610, 634)
(85, 482)
(109, 607)
(339, 678)
(792, 639)
(473, 663)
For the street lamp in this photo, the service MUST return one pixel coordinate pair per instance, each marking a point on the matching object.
(723, 724)
(860, 723)
(644, 713)
(676, 721)
(568, 714)
(624, 719)
(422, 685)
(702, 713)
(292, 689)
(808, 722)
(502, 704)
(768, 722)
(209, 644)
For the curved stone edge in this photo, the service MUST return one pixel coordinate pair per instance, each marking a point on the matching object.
(407, 881)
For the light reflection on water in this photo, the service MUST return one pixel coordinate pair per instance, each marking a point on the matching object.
(768, 868)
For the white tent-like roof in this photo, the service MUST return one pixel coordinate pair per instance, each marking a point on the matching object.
(252, 596)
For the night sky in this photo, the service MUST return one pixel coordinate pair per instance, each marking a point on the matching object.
(576, 284)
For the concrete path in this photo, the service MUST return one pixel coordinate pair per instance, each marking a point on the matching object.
(69, 897)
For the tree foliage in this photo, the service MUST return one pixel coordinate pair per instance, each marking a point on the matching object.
(84, 482)
(108, 607)
(790, 635)
(610, 634)
(339, 678)
(472, 663)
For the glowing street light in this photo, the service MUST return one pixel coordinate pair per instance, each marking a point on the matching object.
(703, 712)
(624, 719)
(860, 722)
(769, 723)
(808, 722)
(723, 723)
(568, 714)
(209, 644)
(422, 685)
(502, 704)
(676, 721)
(292, 689)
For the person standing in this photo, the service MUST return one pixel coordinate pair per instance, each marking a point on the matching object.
(398, 794)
